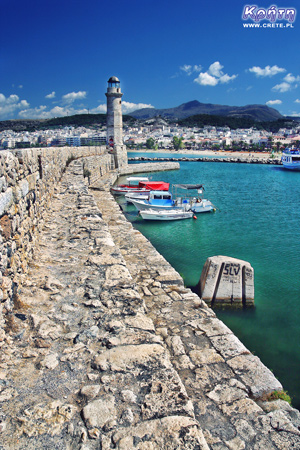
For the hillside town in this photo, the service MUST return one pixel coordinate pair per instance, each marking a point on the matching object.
(156, 134)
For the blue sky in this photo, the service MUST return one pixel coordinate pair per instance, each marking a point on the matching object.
(56, 56)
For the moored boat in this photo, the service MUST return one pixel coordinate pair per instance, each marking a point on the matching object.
(291, 158)
(158, 200)
(192, 194)
(172, 214)
(139, 184)
(188, 201)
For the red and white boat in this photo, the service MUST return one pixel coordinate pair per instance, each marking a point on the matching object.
(140, 185)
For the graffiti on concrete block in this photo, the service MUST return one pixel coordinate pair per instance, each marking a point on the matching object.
(231, 269)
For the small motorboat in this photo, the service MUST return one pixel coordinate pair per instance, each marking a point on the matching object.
(139, 184)
(291, 158)
(172, 214)
(192, 194)
(186, 201)
(158, 200)
(132, 184)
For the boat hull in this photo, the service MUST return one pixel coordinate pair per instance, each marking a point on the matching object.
(166, 215)
(291, 159)
(204, 206)
(123, 190)
(291, 166)
(136, 196)
(144, 205)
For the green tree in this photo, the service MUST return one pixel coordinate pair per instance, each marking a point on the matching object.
(150, 143)
(178, 142)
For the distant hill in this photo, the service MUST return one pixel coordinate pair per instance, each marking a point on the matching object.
(256, 112)
(196, 120)
(84, 120)
(201, 120)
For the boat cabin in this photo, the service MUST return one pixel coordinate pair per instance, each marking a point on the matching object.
(188, 192)
(134, 181)
(291, 158)
(160, 197)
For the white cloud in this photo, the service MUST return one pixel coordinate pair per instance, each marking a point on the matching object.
(101, 109)
(273, 102)
(204, 79)
(9, 105)
(197, 68)
(188, 69)
(297, 100)
(52, 95)
(226, 78)
(289, 78)
(41, 112)
(214, 75)
(282, 87)
(72, 96)
(128, 107)
(268, 71)
(289, 82)
(215, 69)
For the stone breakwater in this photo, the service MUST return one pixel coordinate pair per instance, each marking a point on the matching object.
(235, 159)
(106, 349)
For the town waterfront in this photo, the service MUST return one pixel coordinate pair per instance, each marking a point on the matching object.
(257, 220)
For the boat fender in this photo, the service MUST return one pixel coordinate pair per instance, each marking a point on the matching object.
(194, 217)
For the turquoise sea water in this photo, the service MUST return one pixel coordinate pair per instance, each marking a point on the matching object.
(258, 221)
(156, 154)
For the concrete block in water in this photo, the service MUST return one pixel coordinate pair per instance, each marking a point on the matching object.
(227, 281)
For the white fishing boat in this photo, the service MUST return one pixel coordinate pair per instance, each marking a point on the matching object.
(139, 184)
(192, 194)
(291, 158)
(185, 200)
(131, 185)
(172, 214)
(158, 200)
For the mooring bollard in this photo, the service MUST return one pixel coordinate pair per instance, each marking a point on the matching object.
(227, 281)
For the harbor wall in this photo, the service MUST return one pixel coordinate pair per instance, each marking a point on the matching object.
(230, 159)
(27, 181)
(115, 353)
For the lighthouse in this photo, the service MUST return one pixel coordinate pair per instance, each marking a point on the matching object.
(114, 122)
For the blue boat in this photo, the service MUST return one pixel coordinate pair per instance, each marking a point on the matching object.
(291, 158)
(162, 201)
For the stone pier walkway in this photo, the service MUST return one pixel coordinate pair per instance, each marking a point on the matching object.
(106, 348)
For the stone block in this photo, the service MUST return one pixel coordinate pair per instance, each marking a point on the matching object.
(6, 227)
(100, 411)
(166, 433)
(227, 281)
(21, 190)
(6, 200)
(125, 358)
(258, 379)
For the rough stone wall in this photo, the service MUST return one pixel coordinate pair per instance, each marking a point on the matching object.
(109, 350)
(27, 181)
(94, 167)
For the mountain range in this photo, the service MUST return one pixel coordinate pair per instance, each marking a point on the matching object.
(256, 112)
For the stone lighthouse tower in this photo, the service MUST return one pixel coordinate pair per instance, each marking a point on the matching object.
(114, 122)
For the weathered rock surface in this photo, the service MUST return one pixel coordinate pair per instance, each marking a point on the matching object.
(106, 348)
